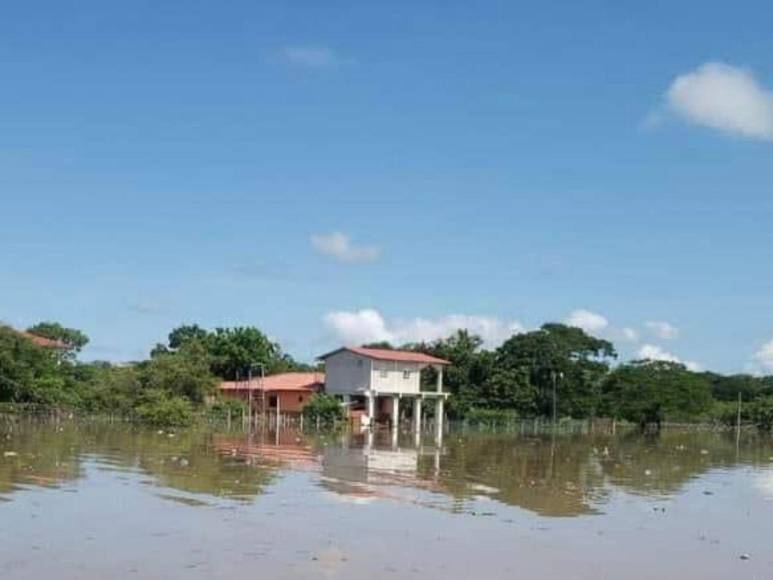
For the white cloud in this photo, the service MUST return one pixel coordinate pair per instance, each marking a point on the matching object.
(662, 329)
(654, 352)
(369, 325)
(358, 327)
(723, 97)
(340, 247)
(587, 320)
(314, 57)
(629, 334)
(764, 356)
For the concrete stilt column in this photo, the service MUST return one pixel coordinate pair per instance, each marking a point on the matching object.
(395, 412)
(346, 404)
(371, 408)
(417, 415)
(439, 418)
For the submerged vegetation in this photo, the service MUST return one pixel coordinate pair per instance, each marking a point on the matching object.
(556, 371)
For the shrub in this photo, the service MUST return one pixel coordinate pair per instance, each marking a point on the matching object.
(158, 409)
(325, 408)
(221, 408)
(726, 413)
(489, 416)
(761, 413)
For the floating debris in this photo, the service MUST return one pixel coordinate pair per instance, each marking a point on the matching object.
(745, 557)
(10, 454)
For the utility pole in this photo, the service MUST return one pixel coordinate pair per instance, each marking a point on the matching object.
(249, 397)
(555, 376)
(249, 389)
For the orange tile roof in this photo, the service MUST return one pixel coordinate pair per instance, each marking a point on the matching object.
(280, 382)
(45, 342)
(39, 340)
(391, 355)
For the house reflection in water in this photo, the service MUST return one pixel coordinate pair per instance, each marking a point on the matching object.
(553, 477)
(542, 476)
(357, 466)
(372, 465)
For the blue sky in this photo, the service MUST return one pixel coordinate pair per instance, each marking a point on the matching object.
(345, 170)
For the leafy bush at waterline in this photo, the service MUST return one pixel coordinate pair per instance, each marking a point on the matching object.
(163, 411)
(325, 408)
(491, 416)
(761, 413)
(222, 409)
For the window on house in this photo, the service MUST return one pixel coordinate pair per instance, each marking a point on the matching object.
(406, 374)
(359, 362)
(300, 398)
(383, 373)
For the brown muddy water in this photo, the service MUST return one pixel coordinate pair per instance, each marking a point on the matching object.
(92, 501)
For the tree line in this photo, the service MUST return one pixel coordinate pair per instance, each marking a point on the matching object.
(555, 371)
(168, 387)
(562, 371)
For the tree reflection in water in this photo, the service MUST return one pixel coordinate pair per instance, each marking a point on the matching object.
(552, 476)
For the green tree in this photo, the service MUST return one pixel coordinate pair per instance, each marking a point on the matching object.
(382, 344)
(184, 373)
(29, 373)
(529, 366)
(233, 350)
(187, 333)
(649, 392)
(469, 370)
(72, 337)
(761, 413)
(728, 387)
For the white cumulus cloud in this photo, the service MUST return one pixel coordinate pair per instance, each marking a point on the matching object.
(655, 352)
(764, 356)
(662, 329)
(723, 97)
(359, 327)
(629, 334)
(368, 325)
(340, 247)
(313, 57)
(587, 320)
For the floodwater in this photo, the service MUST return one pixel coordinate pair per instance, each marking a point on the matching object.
(92, 501)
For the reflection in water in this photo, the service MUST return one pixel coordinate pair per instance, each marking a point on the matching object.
(562, 476)
(86, 501)
(52, 455)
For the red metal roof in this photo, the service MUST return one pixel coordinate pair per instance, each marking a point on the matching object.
(280, 382)
(391, 355)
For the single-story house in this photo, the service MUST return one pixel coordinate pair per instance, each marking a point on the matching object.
(284, 393)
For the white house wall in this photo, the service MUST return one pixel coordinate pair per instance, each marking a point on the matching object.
(346, 373)
(396, 377)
